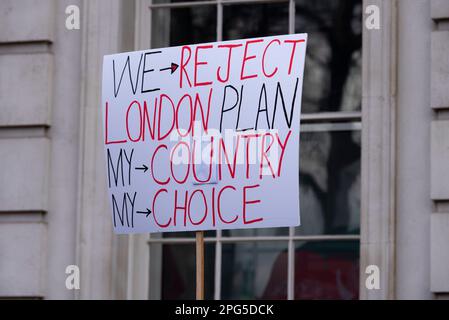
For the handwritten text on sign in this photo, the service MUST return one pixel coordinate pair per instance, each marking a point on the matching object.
(204, 136)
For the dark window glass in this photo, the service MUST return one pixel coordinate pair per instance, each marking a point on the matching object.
(187, 234)
(255, 232)
(327, 270)
(173, 1)
(329, 180)
(332, 79)
(254, 270)
(329, 158)
(180, 26)
(250, 20)
(179, 273)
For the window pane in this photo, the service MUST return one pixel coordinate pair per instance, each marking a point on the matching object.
(255, 232)
(329, 181)
(173, 27)
(327, 270)
(332, 79)
(187, 234)
(254, 270)
(173, 1)
(179, 272)
(250, 20)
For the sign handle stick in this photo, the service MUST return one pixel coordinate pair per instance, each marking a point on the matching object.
(199, 265)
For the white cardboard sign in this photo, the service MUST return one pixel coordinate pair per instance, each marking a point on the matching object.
(205, 136)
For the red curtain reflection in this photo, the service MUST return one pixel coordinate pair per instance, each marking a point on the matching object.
(322, 271)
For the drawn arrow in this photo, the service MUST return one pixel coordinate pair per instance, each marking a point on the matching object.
(172, 67)
(148, 212)
(144, 168)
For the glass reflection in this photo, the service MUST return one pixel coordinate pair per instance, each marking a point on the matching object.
(174, 27)
(174, 1)
(254, 270)
(329, 180)
(179, 273)
(327, 270)
(255, 232)
(332, 79)
(249, 20)
(188, 234)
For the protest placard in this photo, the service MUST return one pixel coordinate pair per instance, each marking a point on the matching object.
(205, 136)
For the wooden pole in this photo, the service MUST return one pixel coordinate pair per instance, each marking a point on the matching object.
(199, 265)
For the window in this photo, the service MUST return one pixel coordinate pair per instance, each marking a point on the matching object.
(319, 259)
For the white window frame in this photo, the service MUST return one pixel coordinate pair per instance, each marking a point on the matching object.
(103, 276)
(139, 244)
